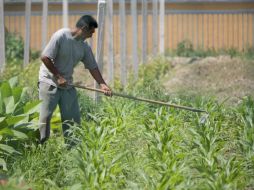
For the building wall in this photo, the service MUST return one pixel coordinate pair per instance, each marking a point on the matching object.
(206, 25)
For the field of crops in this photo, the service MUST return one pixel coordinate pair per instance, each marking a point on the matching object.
(124, 144)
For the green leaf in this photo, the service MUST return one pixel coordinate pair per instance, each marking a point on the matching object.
(5, 90)
(77, 186)
(6, 131)
(3, 164)
(31, 107)
(19, 134)
(17, 93)
(13, 81)
(2, 119)
(8, 149)
(3, 123)
(15, 119)
(1, 103)
(50, 182)
(9, 104)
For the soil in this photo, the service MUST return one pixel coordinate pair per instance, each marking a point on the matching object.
(222, 77)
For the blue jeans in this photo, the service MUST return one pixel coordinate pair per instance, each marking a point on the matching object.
(67, 101)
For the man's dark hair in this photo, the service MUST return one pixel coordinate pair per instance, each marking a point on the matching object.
(87, 20)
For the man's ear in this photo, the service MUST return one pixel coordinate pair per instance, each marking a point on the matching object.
(85, 27)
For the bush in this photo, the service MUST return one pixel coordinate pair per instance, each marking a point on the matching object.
(14, 48)
(184, 48)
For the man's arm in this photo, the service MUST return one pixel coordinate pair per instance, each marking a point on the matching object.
(50, 65)
(98, 77)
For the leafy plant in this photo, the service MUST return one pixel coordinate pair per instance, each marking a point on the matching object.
(14, 48)
(16, 119)
(184, 48)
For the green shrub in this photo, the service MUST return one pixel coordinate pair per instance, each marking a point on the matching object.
(14, 48)
(16, 119)
(185, 49)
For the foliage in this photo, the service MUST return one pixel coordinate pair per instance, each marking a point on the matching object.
(150, 76)
(14, 49)
(131, 145)
(27, 77)
(186, 49)
(249, 53)
(47, 166)
(124, 144)
(16, 119)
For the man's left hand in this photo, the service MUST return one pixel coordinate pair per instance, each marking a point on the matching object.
(106, 89)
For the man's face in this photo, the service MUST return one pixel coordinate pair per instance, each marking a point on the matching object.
(87, 32)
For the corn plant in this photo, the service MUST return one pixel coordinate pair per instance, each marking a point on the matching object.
(164, 153)
(97, 166)
(246, 135)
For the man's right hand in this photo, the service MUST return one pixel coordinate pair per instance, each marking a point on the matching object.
(61, 81)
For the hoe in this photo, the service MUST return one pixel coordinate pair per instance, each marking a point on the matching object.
(202, 120)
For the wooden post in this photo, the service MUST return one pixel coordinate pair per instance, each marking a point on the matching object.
(2, 37)
(155, 27)
(44, 23)
(134, 37)
(123, 42)
(110, 42)
(100, 40)
(27, 34)
(162, 17)
(144, 31)
(65, 13)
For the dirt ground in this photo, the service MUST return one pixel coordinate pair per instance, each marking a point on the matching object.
(222, 77)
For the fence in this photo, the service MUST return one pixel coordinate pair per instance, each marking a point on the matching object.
(205, 25)
(214, 27)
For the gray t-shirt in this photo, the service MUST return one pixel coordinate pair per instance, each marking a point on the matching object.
(66, 53)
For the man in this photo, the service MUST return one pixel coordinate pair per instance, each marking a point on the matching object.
(63, 52)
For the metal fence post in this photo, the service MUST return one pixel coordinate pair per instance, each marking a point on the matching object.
(27, 34)
(135, 37)
(100, 40)
(162, 33)
(123, 42)
(2, 37)
(44, 23)
(65, 13)
(155, 27)
(110, 42)
(144, 31)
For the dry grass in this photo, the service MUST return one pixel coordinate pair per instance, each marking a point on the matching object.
(221, 77)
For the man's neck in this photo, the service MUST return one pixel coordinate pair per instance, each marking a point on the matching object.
(74, 33)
